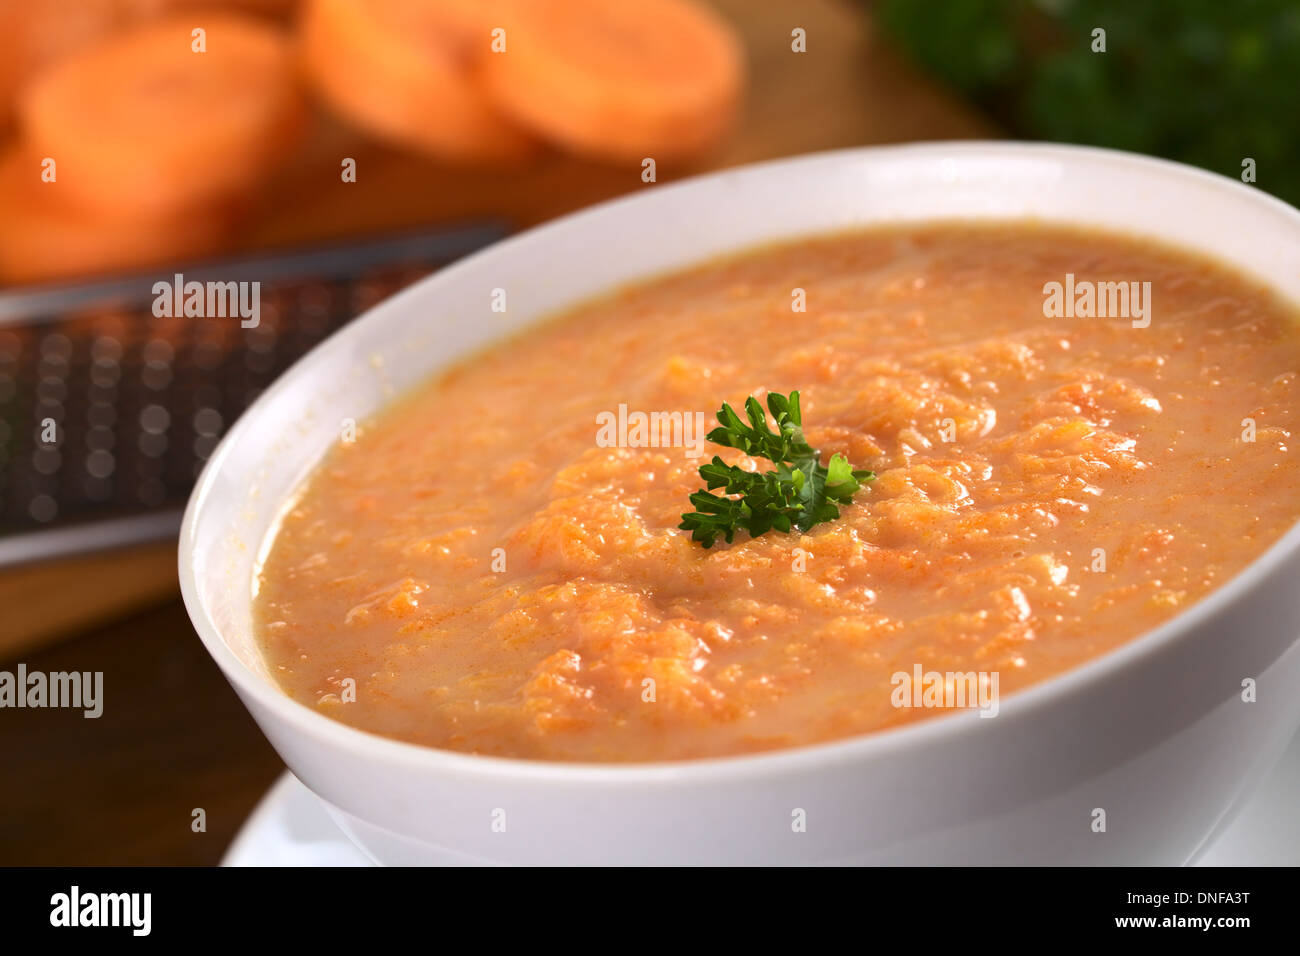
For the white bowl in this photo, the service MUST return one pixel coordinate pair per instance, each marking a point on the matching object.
(1154, 733)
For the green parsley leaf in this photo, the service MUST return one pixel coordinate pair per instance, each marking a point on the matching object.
(798, 493)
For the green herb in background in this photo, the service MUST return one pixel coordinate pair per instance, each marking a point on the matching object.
(800, 493)
(1206, 82)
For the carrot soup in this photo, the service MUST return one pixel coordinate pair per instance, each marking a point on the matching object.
(1074, 435)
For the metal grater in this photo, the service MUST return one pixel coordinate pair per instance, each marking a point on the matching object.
(140, 402)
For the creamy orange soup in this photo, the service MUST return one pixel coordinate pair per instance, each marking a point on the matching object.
(479, 571)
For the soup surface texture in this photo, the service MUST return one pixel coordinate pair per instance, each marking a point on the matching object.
(483, 574)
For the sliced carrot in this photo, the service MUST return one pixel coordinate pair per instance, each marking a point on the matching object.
(142, 9)
(42, 237)
(404, 71)
(144, 122)
(623, 80)
(35, 32)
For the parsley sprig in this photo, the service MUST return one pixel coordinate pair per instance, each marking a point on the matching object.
(799, 493)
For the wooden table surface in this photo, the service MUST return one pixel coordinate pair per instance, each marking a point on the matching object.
(173, 736)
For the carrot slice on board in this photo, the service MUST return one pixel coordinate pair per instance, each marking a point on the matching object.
(144, 121)
(35, 32)
(404, 71)
(43, 238)
(143, 9)
(622, 80)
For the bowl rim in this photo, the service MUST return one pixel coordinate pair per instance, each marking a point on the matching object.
(1022, 704)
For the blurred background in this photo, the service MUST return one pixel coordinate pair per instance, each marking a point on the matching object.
(336, 150)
